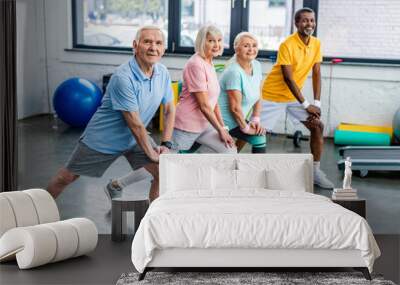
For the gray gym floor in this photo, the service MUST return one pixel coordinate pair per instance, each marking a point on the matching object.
(45, 145)
(110, 259)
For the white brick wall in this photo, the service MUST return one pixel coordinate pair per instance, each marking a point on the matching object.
(360, 28)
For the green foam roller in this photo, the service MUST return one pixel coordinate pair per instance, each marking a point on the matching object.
(342, 137)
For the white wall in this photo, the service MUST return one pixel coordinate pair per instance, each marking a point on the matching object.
(370, 31)
(362, 94)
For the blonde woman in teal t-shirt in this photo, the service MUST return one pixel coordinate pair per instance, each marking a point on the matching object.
(239, 99)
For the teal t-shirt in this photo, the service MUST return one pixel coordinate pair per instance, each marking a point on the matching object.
(235, 78)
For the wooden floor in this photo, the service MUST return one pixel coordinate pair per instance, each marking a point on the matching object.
(110, 259)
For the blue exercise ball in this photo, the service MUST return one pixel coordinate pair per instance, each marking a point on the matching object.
(396, 125)
(76, 100)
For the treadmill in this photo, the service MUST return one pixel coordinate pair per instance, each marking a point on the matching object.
(365, 158)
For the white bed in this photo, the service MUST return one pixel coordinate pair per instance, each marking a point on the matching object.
(247, 211)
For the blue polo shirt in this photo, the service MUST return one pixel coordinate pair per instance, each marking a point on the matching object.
(129, 90)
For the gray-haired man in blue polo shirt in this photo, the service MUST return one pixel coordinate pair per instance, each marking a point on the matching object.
(135, 91)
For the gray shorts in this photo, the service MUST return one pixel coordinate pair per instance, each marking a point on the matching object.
(88, 162)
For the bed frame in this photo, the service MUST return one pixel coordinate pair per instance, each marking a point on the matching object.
(242, 259)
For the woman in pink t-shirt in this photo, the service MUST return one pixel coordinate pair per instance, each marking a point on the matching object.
(198, 117)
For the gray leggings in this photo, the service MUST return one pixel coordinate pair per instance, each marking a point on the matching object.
(209, 138)
(183, 141)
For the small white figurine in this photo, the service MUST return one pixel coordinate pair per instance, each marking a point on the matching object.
(347, 174)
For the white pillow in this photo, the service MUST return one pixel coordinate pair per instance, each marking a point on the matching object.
(224, 179)
(292, 179)
(281, 174)
(183, 177)
(251, 178)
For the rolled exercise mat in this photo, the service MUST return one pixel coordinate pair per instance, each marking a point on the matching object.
(360, 138)
(176, 91)
(365, 128)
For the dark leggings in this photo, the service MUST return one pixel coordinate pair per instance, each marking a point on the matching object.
(258, 143)
(193, 149)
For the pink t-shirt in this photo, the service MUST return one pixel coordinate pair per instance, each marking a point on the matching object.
(198, 76)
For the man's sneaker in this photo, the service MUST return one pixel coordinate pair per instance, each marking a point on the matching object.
(321, 180)
(112, 192)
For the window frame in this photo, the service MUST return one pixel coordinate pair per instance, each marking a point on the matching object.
(235, 28)
(75, 33)
(239, 22)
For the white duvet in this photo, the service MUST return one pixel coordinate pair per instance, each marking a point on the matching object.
(252, 218)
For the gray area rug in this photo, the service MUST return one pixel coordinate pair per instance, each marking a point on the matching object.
(232, 278)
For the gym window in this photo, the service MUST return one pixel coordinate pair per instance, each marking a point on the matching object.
(111, 24)
(346, 31)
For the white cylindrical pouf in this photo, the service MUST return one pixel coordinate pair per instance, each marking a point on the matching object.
(33, 246)
(7, 218)
(23, 208)
(37, 245)
(67, 240)
(46, 207)
(87, 233)
(31, 232)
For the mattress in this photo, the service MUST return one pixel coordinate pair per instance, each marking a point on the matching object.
(251, 219)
